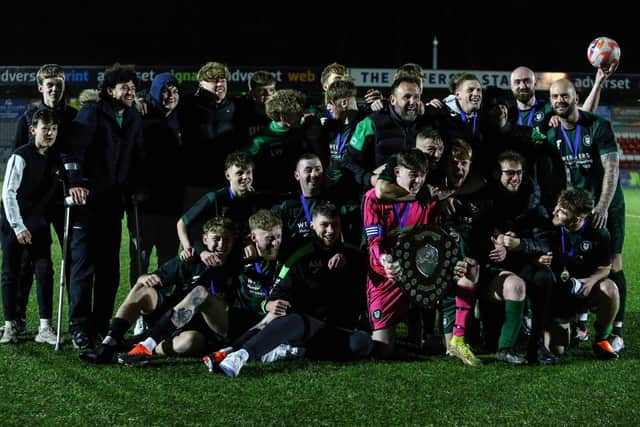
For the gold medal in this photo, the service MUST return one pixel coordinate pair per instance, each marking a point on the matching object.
(564, 276)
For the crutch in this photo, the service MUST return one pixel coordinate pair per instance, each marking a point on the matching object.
(141, 326)
(136, 239)
(68, 203)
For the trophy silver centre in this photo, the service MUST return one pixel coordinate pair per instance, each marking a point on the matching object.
(427, 260)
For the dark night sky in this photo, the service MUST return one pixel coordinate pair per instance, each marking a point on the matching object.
(163, 34)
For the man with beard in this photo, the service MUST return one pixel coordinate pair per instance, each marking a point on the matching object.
(589, 151)
(108, 135)
(531, 111)
(384, 133)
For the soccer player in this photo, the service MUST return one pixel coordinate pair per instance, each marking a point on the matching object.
(518, 223)
(315, 298)
(237, 201)
(388, 304)
(169, 297)
(580, 259)
(589, 151)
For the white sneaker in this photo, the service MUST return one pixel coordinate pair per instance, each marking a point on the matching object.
(617, 343)
(47, 335)
(282, 352)
(9, 335)
(20, 327)
(141, 326)
(232, 364)
(526, 326)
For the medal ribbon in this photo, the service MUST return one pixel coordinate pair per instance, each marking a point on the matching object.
(573, 247)
(341, 141)
(259, 271)
(573, 146)
(532, 112)
(465, 119)
(307, 213)
(402, 220)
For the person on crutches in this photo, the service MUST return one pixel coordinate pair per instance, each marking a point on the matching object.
(27, 192)
(108, 138)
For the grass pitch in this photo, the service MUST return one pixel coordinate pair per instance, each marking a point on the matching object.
(40, 387)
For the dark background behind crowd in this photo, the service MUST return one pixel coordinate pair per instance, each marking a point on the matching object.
(476, 36)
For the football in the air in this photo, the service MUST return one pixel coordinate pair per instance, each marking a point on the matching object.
(603, 52)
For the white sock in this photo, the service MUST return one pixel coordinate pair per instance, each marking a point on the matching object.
(244, 354)
(150, 344)
(45, 323)
(8, 324)
(108, 340)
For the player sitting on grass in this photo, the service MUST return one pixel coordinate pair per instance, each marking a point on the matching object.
(169, 298)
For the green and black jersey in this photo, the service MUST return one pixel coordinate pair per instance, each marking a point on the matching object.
(533, 117)
(254, 284)
(581, 149)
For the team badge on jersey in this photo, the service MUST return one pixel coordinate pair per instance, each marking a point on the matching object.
(587, 140)
(586, 246)
(538, 116)
(377, 314)
(315, 265)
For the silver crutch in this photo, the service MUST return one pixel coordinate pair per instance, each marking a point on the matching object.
(68, 203)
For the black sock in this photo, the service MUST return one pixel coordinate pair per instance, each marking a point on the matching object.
(621, 282)
(119, 327)
(164, 327)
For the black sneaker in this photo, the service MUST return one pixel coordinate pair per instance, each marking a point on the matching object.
(83, 341)
(138, 356)
(604, 351)
(102, 354)
(507, 355)
(542, 356)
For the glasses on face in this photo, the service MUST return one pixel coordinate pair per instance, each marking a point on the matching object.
(511, 173)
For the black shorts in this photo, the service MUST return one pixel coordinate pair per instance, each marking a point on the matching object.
(168, 298)
(564, 305)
